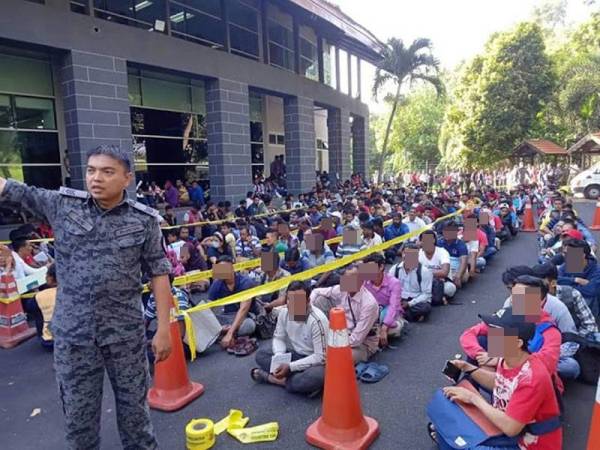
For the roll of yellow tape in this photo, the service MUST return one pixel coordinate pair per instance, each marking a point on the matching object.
(200, 434)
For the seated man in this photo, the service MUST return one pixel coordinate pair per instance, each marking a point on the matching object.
(437, 260)
(386, 289)
(247, 246)
(269, 271)
(370, 237)
(293, 262)
(317, 252)
(416, 281)
(351, 242)
(234, 318)
(457, 250)
(524, 403)
(392, 231)
(302, 331)
(361, 308)
(581, 272)
(474, 339)
(46, 300)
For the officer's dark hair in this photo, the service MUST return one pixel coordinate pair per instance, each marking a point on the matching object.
(292, 254)
(546, 270)
(114, 152)
(225, 258)
(512, 273)
(578, 243)
(51, 271)
(529, 280)
(376, 258)
(299, 286)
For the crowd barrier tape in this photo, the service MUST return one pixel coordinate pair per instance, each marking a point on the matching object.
(199, 434)
(282, 283)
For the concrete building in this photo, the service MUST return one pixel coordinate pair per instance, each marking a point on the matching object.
(207, 90)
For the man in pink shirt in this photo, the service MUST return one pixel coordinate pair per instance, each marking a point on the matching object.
(387, 291)
(361, 308)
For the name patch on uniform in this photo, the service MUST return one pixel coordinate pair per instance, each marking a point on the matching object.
(78, 219)
(73, 192)
(129, 229)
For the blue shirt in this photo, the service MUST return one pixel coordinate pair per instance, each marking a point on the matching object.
(301, 266)
(455, 248)
(218, 289)
(393, 231)
(183, 302)
(197, 195)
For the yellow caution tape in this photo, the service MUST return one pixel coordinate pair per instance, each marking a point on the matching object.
(234, 420)
(11, 299)
(260, 433)
(199, 434)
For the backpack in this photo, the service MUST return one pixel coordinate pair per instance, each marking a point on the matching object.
(588, 357)
(419, 273)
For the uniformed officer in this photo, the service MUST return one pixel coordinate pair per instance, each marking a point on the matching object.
(103, 241)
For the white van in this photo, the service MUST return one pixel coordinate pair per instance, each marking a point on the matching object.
(587, 182)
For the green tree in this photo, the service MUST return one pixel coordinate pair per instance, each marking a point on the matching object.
(402, 66)
(498, 98)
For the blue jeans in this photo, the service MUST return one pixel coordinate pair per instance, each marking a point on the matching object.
(568, 368)
(489, 252)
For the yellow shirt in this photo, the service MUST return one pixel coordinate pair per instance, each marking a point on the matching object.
(46, 300)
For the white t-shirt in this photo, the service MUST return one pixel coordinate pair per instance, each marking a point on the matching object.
(439, 258)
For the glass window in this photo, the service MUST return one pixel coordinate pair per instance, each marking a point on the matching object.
(281, 38)
(329, 64)
(243, 42)
(79, 6)
(167, 123)
(135, 90)
(257, 154)
(35, 113)
(344, 71)
(201, 21)
(19, 148)
(6, 120)
(243, 15)
(256, 108)
(139, 13)
(309, 60)
(165, 94)
(256, 132)
(23, 75)
(354, 75)
(198, 99)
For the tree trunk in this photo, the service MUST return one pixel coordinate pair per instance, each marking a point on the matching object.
(387, 134)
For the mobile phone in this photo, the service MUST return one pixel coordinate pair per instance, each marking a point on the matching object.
(452, 372)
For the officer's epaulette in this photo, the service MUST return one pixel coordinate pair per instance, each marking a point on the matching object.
(73, 193)
(144, 208)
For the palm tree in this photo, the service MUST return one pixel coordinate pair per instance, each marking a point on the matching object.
(401, 65)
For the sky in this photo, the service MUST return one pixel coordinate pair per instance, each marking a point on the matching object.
(458, 28)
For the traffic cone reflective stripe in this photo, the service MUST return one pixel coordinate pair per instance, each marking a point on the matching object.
(594, 437)
(528, 222)
(172, 388)
(13, 321)
(342, 424)
(596, 223)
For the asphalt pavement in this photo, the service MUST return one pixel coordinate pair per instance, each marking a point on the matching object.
(31, 416)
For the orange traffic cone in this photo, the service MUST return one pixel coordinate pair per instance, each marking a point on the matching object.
(528, 222)
(172, 387)
(594, 437)
(13, 322)
(596, 224)
(342, 424)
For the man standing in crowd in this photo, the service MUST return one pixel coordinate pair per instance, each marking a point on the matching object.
(103, 240)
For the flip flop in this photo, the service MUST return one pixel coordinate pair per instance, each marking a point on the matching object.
(432, 432)
(360, 369)
(374, 373)
(259, 375)
(247, 348)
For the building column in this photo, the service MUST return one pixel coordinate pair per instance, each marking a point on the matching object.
(360, 146)
(228, 133)
(338, 134)
(300, 146)
(96, 107)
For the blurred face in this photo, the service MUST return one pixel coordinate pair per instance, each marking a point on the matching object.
(410, 257)
(527, 301)
(106, 178)
(412, 214)
(297, 302)
(350, 281)
(503, 342)
(184, 234)
(450, 233)
(428, 243)
(224, 271)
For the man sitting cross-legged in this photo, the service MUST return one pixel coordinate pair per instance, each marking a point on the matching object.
(302, 331)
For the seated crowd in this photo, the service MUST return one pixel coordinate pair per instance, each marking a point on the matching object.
(553, 305)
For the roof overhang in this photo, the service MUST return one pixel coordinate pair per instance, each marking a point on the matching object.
(587, 144)
(351, 34)
(534, 147)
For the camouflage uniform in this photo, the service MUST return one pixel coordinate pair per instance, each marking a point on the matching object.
(98, 322)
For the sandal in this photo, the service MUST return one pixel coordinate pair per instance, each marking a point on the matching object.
(432, 432)
(374, 373)
(247, 347)
(360, 369)
(259, 375)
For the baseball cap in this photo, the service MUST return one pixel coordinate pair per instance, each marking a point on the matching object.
(504, 318)
(503, 205)
(573, 234)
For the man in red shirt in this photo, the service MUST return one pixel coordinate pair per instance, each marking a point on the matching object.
(524, 402)
(474, 339)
